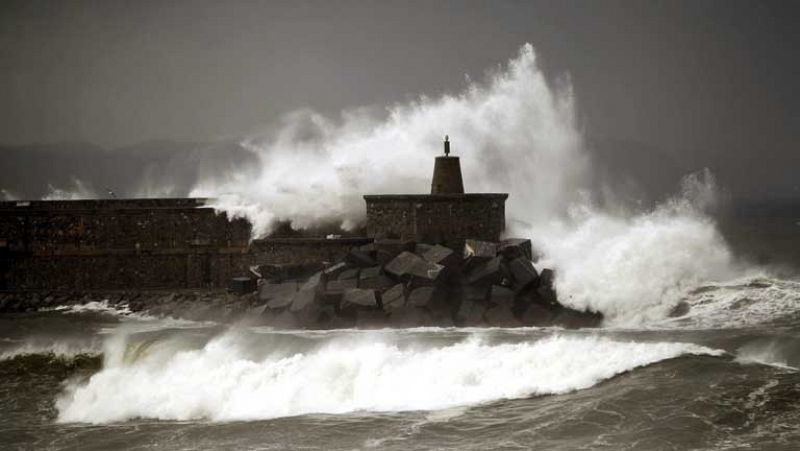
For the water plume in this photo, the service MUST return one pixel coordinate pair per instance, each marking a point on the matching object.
(517, 133)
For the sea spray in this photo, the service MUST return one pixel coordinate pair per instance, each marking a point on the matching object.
(516, 133)
(230, 379)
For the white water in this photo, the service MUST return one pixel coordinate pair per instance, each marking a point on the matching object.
(224, 380)
(516, 133)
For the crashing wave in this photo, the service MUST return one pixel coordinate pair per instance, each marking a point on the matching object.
(223, 380)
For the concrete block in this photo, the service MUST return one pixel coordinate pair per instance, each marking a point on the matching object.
(359, 297)
(393, 298)
(488, 272)
(523, 274)
(501, 316)
(512, 248)
(351, 273)
(503, 296)
(479, 249)
(440, 255)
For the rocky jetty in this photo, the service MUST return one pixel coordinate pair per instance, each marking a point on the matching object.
(386, 283)
(395, 283)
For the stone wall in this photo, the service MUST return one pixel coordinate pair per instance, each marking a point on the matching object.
(301, 250)
(446, 219)
(119, 243)
(139, 244)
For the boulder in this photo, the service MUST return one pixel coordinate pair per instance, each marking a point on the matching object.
(470, 313)
(423, 297)
(331, 272)
(408, 264)
(439, 255)
(372, 278)
(546, 290)
(334, 290)
(512, 248)
(574, 319)
(393, 298)
(479, 249)
(359, 297)
(359, 258)
(488, 272)
(537, 315)
(501, 296)
(401, 265)
(523, 274)
(501, 316)
(351, 273)
(421, 248)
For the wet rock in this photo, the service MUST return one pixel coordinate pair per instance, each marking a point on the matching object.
(501, 296)
(546, 290)
(512, 248)
(421, 248)
(574, 319)
(360, 258)
(393, 298)
(440, 255)
(479, 249)
(486, 273)
(372, 278)
(331, 272)
(359, 297)
(470, 313)
(523, 274)
(408, 264)
(351, 273)
(423, 297)
(537, 315)
(501, 316)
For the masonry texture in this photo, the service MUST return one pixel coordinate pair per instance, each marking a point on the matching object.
(446, 219)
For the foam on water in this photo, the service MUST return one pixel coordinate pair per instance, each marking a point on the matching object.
(223, 380)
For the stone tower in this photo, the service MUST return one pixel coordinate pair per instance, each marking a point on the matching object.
(447, 173)
(446, 216)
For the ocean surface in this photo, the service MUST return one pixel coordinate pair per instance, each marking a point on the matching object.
(722, 375)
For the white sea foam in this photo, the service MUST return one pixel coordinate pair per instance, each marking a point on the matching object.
(103, 306)
(518, 133)
(223, 380)
(739, 303)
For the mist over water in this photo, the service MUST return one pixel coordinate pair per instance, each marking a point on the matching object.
(516, 132)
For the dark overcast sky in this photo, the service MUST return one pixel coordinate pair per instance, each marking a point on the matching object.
(718, 77)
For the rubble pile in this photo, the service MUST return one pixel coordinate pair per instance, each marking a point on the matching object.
(395, 283)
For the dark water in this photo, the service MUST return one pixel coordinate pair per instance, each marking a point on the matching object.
(725, 380)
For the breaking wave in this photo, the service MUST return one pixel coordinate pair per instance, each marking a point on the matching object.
(517, 132)
(225, 380)
(749, 302)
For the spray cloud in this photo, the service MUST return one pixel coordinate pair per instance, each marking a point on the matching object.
(516, 133)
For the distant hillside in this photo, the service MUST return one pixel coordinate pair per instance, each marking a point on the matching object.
(148, 169)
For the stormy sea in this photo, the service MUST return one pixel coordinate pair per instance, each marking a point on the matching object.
(720, 374)
(699, 348)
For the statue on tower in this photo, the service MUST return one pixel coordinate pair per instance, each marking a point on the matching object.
(446, 145)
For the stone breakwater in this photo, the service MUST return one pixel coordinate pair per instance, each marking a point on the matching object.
(396, 283)
(387, 283)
